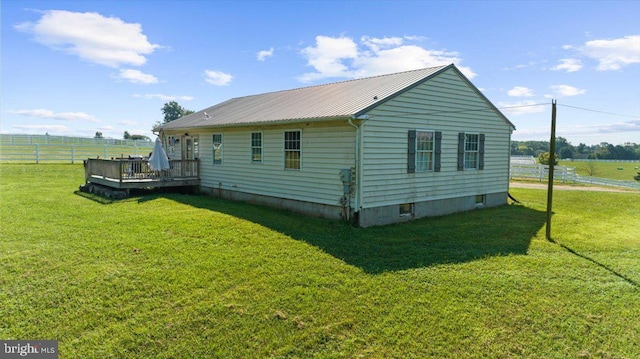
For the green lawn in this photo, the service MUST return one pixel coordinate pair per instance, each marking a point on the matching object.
(184, 276)
(623, 171)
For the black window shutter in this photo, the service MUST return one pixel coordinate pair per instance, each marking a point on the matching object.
(411, 152)
(481, 152)
(438, 151)
(461, 151)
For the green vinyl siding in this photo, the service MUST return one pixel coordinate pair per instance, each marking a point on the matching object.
(325, 151)
(446, 104)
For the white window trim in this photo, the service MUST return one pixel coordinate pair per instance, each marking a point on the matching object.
(251, 147)
(433, 151)
(284, 151)
(213, 161)
(477, 152)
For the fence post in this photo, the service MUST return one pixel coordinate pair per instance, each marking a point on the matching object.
(72, 153)
(105, 152)
(37, 153)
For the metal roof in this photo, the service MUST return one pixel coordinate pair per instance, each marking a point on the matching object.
(322, 102)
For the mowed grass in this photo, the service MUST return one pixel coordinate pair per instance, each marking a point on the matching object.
(184, 276)
(623, 171)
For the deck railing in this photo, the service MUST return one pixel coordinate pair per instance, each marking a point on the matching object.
(132, 170)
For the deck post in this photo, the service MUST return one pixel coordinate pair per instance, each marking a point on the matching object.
(120, 165)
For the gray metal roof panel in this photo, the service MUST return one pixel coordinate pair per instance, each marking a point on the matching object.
(333, 100)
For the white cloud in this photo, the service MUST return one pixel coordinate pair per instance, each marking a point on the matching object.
(627, 126)
(566, 90)
(163, 97)
(217, 78)
(415, 37)
(521, 107)
(51, 129)
(95, 38)
(136, 77)
(569, 65)
(127, 123)
(327, 56)
(520, 66)
(343, 57)
(262, 55)
(520, 91)
(375, 44)
(613, 54)
(61, 116)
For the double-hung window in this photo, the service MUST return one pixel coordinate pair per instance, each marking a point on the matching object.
(217, 148)
(424, 151)
(256, 147)
(470, 151)
(292, 150)
(471, 142)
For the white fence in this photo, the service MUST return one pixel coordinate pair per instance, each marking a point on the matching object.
(566, 175)
(68, 153)
(541, 172)
(523, 160)
(607, 182)
(19, 139)
(598, 160)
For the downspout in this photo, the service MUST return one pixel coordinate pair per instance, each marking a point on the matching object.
(358, 160)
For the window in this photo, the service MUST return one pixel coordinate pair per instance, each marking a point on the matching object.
(292, 150)
(423, 154)
(217, 148)
(196, 148)
(424, 151)
(256, 146)
(405, 210)
(471, 142)
(470, 151)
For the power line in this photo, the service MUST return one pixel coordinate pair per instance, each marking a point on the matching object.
(479, 109)
(489, 109)
(598, 111)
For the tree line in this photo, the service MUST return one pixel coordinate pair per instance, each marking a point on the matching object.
(564, 149)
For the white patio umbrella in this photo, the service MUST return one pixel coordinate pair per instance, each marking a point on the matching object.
(158, 160)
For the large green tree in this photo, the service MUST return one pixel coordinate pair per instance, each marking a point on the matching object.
(172, 111)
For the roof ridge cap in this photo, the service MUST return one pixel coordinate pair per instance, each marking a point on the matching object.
(339, 82)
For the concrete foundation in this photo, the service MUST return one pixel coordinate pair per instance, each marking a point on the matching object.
(368, 217)
(306, 208)
(391, 214)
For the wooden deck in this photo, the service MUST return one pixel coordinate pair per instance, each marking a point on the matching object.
(123, 173)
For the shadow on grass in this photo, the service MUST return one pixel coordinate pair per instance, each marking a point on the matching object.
(601, 265)
(136, 194)
(456, 238)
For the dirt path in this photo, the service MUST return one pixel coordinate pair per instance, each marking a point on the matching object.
(565, 187)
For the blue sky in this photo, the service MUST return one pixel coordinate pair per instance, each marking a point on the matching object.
(78, 67)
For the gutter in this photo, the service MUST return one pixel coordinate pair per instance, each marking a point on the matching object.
(358, 161)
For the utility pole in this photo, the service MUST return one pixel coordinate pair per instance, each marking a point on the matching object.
(552, 161)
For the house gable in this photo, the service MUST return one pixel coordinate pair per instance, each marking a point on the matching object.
(448, 104)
